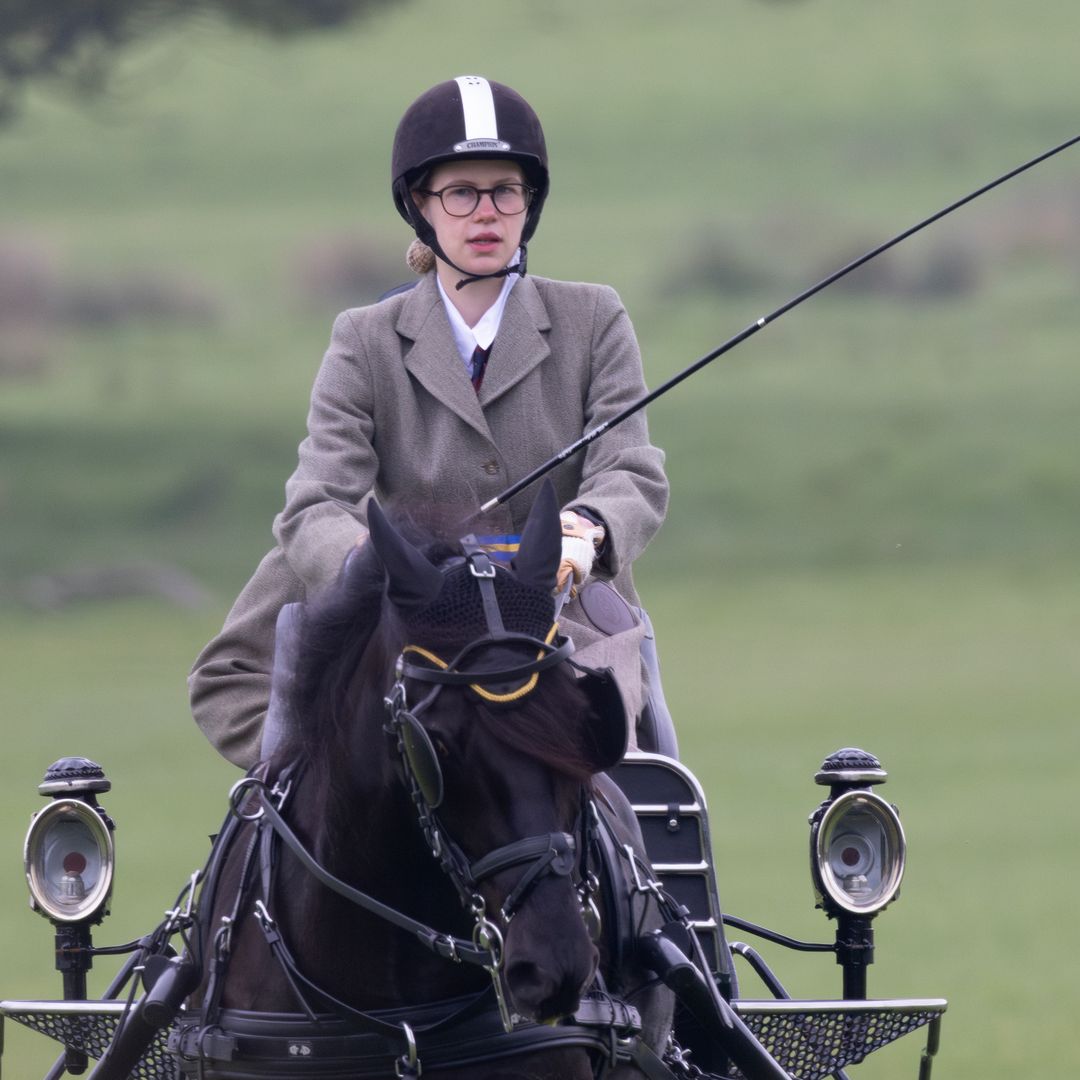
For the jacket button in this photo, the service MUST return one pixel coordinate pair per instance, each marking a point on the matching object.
(491, 467)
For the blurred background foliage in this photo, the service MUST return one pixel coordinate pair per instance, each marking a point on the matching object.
(875, 514)
(73, 43)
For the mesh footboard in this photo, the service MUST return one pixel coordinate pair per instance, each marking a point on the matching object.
(809, 1039)
(812, 1039)
(89, 1026)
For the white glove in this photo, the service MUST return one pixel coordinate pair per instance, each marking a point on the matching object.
(580, 541)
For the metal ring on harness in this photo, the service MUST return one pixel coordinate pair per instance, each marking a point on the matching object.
(486, 935)
(408, 1065)
(234, 797)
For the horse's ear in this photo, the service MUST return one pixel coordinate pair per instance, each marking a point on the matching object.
(537, 560)
(413, 581)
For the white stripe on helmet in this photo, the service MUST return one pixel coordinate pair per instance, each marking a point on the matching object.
(478, 105)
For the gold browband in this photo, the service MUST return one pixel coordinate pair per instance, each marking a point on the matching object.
(527, 687)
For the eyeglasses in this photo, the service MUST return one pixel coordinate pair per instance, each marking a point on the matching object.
(460, 200)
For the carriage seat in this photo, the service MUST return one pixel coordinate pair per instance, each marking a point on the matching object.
(669, 804)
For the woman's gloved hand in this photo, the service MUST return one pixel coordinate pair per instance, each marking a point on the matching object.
(581, 539)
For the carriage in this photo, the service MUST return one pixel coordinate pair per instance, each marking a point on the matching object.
(552, 895)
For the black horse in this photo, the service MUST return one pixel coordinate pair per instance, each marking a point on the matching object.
(413, 878)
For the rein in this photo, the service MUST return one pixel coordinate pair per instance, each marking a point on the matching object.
(445, 945)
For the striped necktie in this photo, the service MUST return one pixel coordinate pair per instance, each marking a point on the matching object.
(478, 366)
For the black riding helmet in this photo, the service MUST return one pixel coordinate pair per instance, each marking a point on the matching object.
(468, 117)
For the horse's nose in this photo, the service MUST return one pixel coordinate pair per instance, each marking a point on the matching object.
(543, 989)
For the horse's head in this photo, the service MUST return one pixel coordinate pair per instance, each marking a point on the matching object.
(498, 740)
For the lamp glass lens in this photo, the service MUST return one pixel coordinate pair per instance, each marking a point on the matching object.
(861, 852)
(70, 863)
(857, 852)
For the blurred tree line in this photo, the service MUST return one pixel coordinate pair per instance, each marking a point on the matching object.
(72, 43)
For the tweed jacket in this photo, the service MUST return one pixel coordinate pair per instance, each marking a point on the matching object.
(394, 416)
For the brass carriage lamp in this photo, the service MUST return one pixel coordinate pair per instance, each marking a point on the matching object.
(69, 857)
(857, 855)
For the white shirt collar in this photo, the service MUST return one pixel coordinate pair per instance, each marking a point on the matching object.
(483, 333)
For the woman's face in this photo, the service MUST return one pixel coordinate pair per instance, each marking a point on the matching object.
(485, 241)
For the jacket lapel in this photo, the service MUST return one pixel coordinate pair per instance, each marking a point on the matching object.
(520, 344)
(431, 355)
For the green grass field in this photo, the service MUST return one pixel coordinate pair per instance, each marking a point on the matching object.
(875, 514)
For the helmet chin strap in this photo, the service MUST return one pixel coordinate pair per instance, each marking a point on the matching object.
(517, 268)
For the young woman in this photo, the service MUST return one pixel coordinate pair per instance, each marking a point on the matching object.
(449, 391)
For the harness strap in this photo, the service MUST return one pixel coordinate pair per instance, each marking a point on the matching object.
(543, 849)
(453, 1036)
(554, 853)
(221, 846)
(445, 945)
(641, 877)
(367, 1021)
(274, 940)
(646, 1059)
(482, 569)
(221, 945)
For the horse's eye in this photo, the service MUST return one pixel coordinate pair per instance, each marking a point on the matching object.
(441, 748)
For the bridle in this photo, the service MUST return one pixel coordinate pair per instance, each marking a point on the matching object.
(558, 854)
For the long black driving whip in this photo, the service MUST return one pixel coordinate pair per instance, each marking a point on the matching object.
(593, 434)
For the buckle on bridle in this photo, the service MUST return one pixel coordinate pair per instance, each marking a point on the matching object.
(480, 566)
(395, 702)
(264, 918)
